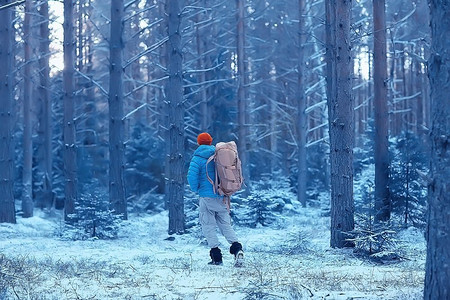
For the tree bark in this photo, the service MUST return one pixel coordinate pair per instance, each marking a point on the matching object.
(340, 115)
(7, 208)
(437, 276)
(175, 111)
(302, 128)
(381, 153)
(27, 197)
(116, 122)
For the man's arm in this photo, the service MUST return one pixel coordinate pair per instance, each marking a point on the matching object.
(193, 174)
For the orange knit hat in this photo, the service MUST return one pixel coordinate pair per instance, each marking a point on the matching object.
(204, 139)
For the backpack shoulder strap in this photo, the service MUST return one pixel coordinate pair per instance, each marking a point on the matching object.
(211, 158)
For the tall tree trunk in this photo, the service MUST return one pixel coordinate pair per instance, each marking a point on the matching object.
(89, 99)
(45, 116)
(117, 198)
(27, 197)
(370, 105)
(243, 137)
(80, 37)
(160, 99)
(302, 128)
(420, 111)
(437, 276)
(175, 111)
(159, 92)
(7, 208)
(133, 72)
(403, 117)
(412, 90)
(382, 199)
(273, 121)
(395, 125)
(70, 150)
(426, 97)
(136, 71)
(340, 115)
(202, 64)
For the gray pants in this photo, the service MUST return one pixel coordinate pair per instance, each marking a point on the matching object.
(213, 214)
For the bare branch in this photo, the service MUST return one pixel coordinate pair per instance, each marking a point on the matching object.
(151, 82)
(138, 12)
(145, 28)
(396, 100)
(93, 81)
(205, 82)
(12, 4)
(204, 70)
(317, 127)
(316, 142)
(149, 49)
(133, 111)
(129, 4)
(315, 105)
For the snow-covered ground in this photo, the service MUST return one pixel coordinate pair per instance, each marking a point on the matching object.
(290, 262)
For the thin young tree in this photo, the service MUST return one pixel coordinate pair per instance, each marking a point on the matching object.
(7, 208)
(175, 112)
(437, 271)
(242, 90)
(27, 197)
(302, 127)
(381, 153)
(201, 34)
(88, 96)
(340, 118)
(45, 152)
(116, 117)
(70, 151)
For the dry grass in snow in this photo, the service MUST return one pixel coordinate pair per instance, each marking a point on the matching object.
(291, 262)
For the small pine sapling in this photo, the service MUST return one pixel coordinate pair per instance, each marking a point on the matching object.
(374, 240)
(408, 190)
(92, 219)
(265, 205)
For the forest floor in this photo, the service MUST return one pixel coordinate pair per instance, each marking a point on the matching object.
(293, 261)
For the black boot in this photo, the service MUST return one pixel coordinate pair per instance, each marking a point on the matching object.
(216, 256)
(236, 250)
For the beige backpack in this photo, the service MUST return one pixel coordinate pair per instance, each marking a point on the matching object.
(228, 177)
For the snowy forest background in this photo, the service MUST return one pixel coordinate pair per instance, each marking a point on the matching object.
(330, 103)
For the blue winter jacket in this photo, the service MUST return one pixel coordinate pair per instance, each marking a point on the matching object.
(197, 172)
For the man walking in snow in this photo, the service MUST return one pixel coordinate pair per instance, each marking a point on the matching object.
(213, 210)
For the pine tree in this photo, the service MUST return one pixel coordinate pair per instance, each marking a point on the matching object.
(27, 195)
(116, 116)
(266, 204)
(382, 200)
(175, 117)
(92, 217)
(7, 206)
(70, 147)
(144, 170)
(44, 195)
(408, 190)
(340, 118)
